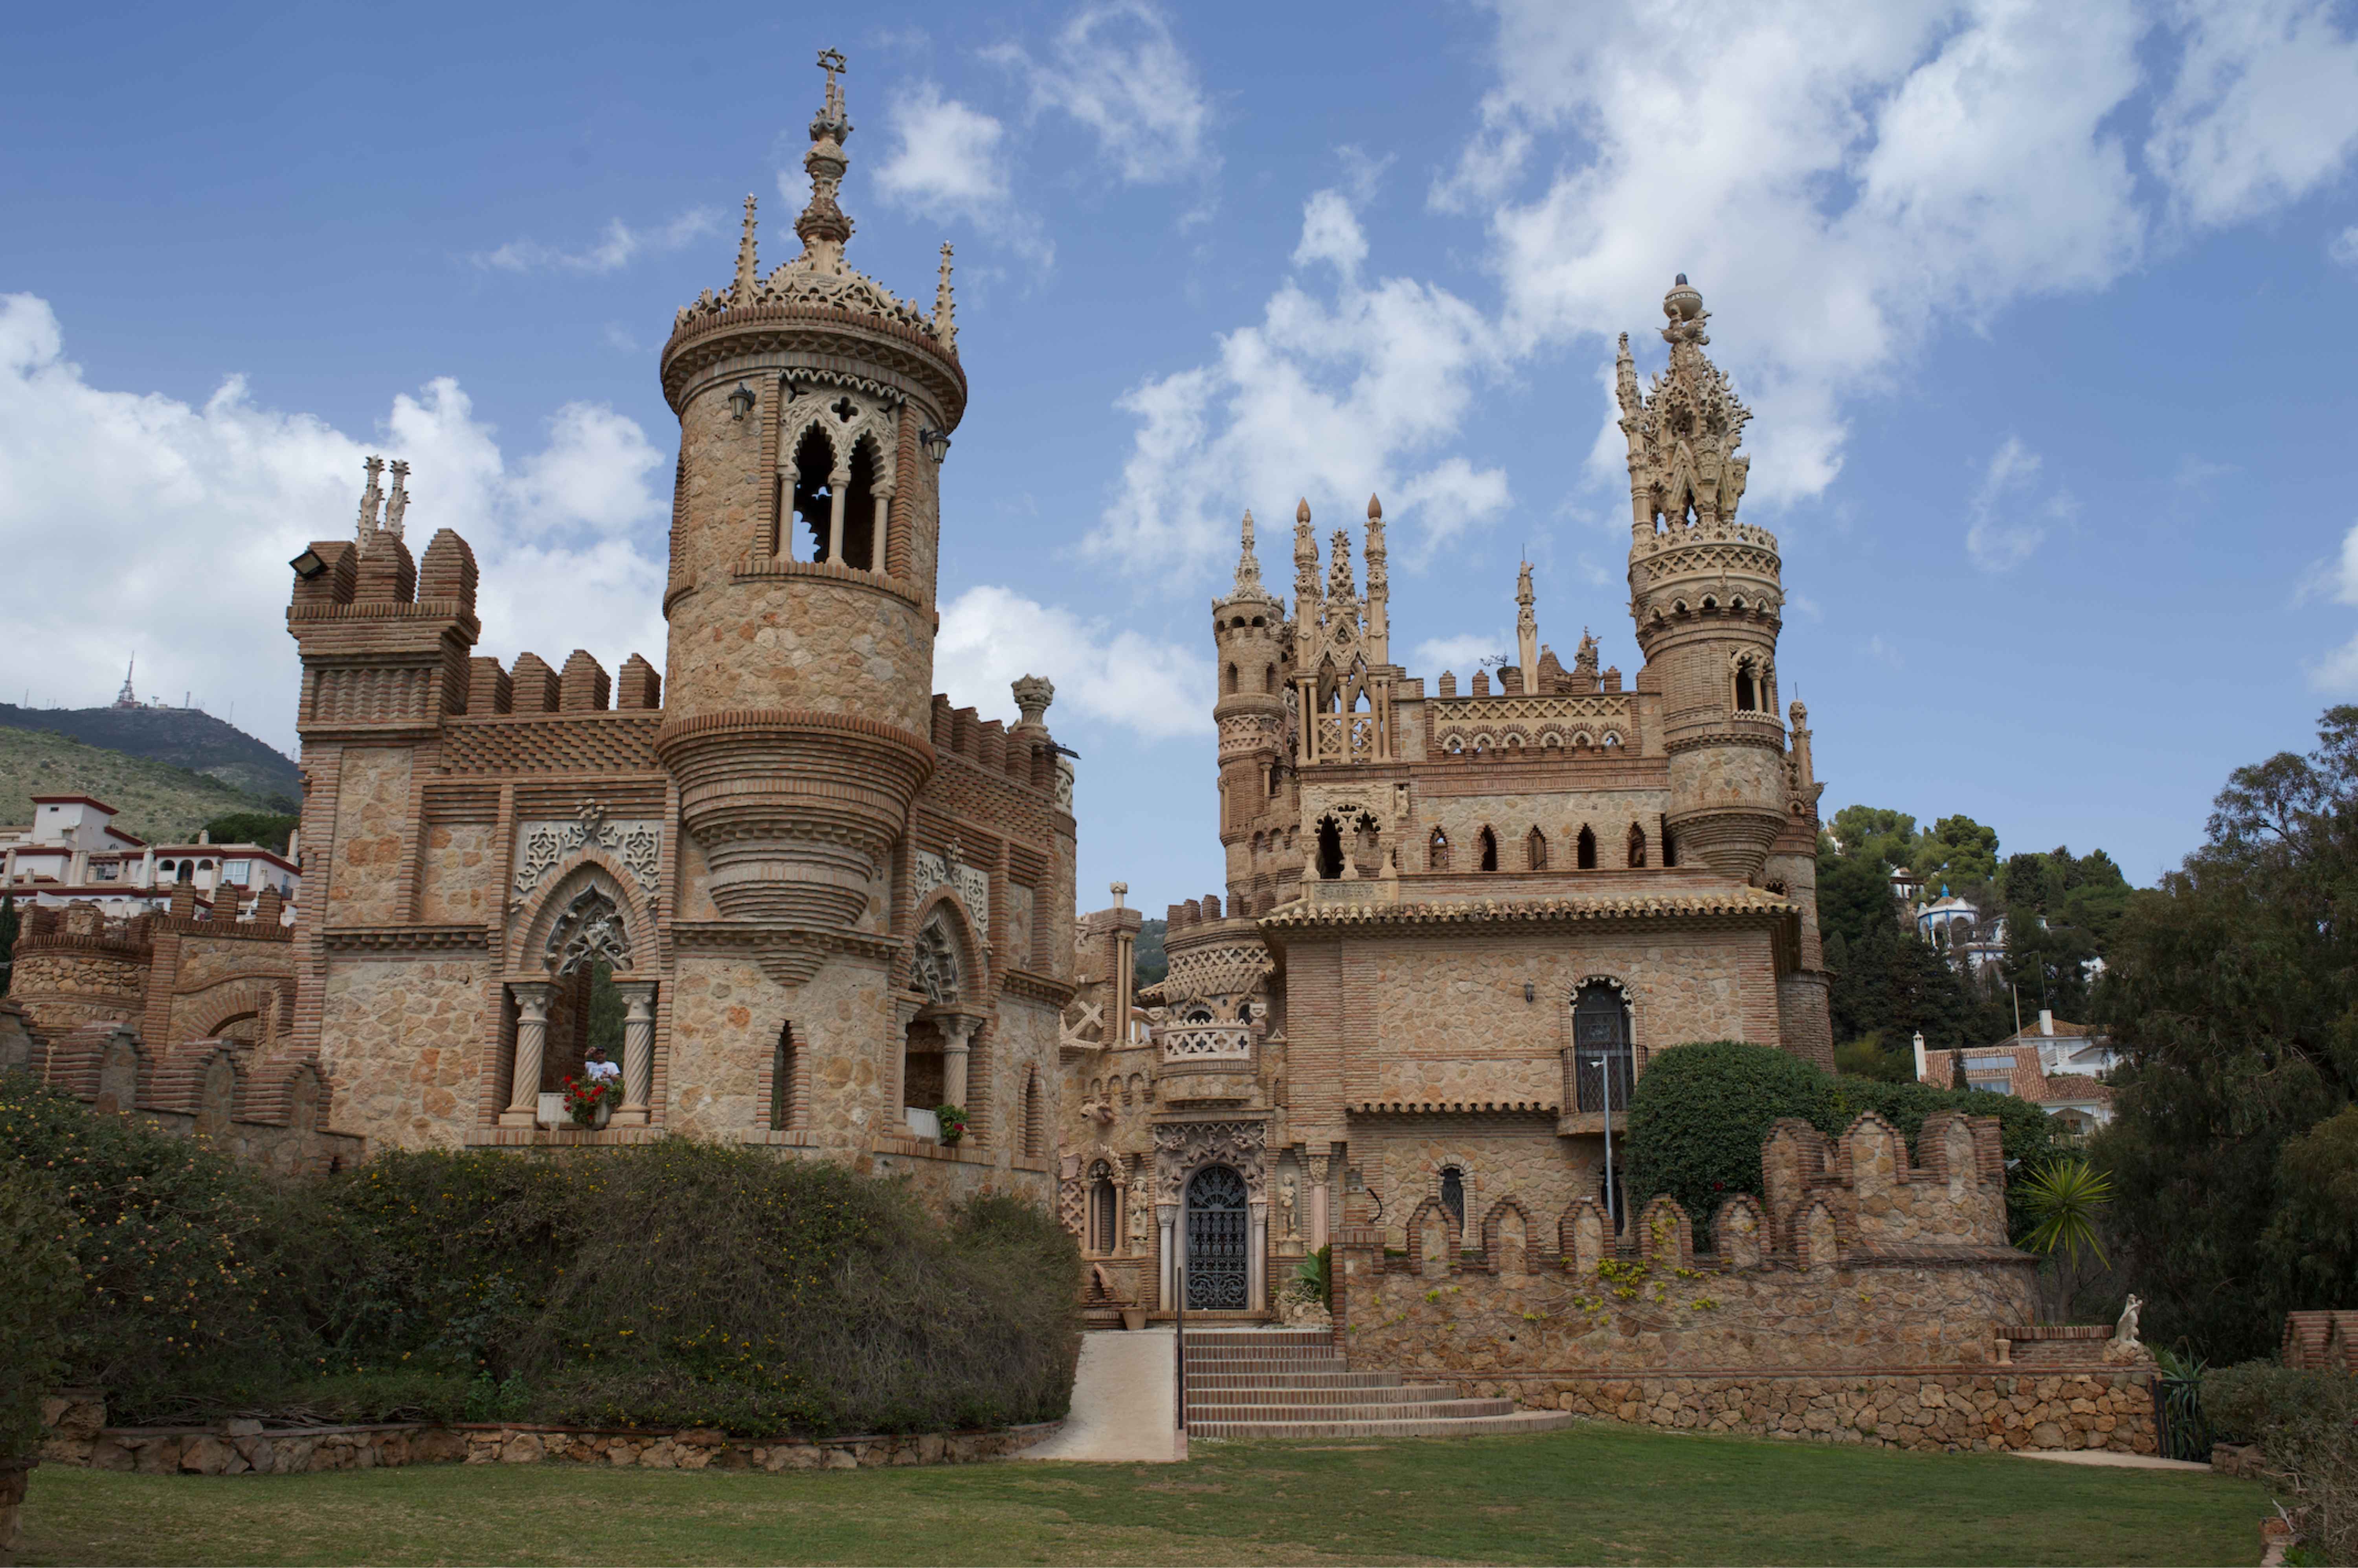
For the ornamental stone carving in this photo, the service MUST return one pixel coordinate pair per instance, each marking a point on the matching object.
(543, 848)
(970, 884)
(1184, 1148)
(590, 931)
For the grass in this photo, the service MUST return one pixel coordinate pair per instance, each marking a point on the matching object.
(1593, 1494)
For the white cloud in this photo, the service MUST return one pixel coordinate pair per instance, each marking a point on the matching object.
(2338, 671)
(1459, 655)
(616, 247)
(949, 161)
(2342, 249)
(2264, 109)
(1331, 396)
(1117, 69)
(992, 637)
(161, 523)
(2005, 525)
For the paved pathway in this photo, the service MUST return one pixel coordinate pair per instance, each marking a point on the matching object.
(1123, 1406)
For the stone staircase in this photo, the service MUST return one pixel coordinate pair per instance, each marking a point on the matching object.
(1276, 1382)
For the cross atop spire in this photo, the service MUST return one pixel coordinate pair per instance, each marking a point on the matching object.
(823, 227)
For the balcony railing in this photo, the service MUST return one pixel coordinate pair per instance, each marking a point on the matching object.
(1207, 1041)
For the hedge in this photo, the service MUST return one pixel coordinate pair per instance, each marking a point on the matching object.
(677, 1283)
(2306, 1425)
(1699, 1113)
(39, 1285)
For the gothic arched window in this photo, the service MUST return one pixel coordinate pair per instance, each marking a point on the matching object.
(1585, 850)
(1535, 851)
(1636, 847)
(1102, 1204)
(1747, 696)
(1436, 851)
(1487, 842)
(1452, 1193)
(1330, 848)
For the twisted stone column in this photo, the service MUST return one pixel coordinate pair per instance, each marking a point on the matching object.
(532, 1040)
(957, 1036)
(638, 1052)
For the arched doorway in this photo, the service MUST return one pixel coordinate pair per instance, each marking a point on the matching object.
(1216, 1240)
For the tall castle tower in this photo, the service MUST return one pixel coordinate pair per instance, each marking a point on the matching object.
(814, 410)
(1247, 637)
(1706, 593)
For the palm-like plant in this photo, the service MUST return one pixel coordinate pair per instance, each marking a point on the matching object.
(2064, 1198)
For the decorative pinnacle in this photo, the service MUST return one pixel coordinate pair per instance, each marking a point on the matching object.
(823, 227)
(946, 304)
(371, 498)
(1302, 513)
(1248, 564)
(1375, 510)
(749, 252)
(399, 501)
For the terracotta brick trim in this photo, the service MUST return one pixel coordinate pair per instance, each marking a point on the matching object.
(406, 940)
(1749, 905)
(675, 731)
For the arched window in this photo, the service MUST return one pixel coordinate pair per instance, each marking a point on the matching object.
(1487, 842)
(1600, 1041)
(1535, 851)
(1748, 699)
(814, 499)
(1637, 848)
(1229, 681)
(187, 872)
(1035, 1127)
(1585, 855)
(1268, 675)
(1670, 847)
(1102, 1204)
(1436, 851)
(1452, 1193)
(1330, 848)
(1276, 779)
(858, 545)
(784, 1108)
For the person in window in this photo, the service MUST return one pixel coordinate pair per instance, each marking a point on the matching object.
(595, 1067)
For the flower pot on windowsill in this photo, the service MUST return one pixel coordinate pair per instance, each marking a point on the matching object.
(598, 1118)
(1133, 1318)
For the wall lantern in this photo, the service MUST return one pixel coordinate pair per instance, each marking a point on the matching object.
(1531, 991)
(308, 564)
(742, 400)
(936, 442)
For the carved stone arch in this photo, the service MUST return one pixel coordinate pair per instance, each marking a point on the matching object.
(944, 916)
(562, 902)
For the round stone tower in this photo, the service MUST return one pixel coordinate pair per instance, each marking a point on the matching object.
(1705, 592)
(814, 410)
(1247, 632)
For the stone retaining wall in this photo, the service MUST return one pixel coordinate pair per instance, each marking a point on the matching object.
(247, 1447)
(1940, 1408)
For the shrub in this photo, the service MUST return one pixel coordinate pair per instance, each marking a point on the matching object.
(1701, 1112)
(2306, 1425)
(679, 1283)
(178, 1300)
(39, 1288)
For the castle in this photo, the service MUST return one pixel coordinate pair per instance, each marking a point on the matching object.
(830, 901)
(1456, 921)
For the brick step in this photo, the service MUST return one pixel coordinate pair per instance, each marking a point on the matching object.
(1428, 1409)
(1270, 1359)
(1292, 1379)
(1399, 1394)
(1473, 1426)
(1261, 1336)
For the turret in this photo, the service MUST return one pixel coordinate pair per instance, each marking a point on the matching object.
(815, 409)
(1706, 596)
(1247, 631)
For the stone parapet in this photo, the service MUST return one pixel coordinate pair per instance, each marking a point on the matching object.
(1941, 1409)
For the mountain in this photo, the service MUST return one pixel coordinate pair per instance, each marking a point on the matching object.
(182, 737)
(156, 800)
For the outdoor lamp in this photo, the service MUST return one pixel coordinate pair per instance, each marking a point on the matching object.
(742, 400)
(308, 565)
(936, 442)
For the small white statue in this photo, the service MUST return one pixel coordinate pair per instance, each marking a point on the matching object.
(1285, 1203)
(2124, 1347)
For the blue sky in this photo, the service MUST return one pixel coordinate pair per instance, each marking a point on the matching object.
(2045, 314)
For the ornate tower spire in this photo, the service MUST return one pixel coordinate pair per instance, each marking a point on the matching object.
(1306, 567)
(1527, 629)
(946, 304)
(1342, 593)
(1379, 588)
(823, 227)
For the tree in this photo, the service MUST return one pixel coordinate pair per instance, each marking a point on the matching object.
(1956, 851)
(1875, 834)
(1854, 891)
(2234, 989)
(270, 829)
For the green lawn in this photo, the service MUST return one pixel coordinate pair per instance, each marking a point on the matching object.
(1593, 1494)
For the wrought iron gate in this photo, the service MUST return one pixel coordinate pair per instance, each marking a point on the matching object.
(1216, 1239)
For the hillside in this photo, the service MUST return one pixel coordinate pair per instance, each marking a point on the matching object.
(181, 737)
(157, 801)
